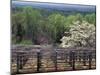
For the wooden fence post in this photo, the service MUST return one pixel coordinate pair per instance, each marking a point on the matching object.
(90, 60)
(84, 58)
(66, 57)
(38, 61)
(55, 61)
(18, 63)
(70, 58)
(21, 61)
(79, 56)
(73, 60)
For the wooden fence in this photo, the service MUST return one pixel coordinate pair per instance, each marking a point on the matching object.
(39, 60)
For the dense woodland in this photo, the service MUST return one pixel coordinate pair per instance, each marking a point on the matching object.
(38, 26)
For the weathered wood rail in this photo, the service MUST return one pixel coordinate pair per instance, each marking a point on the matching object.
(35, 60)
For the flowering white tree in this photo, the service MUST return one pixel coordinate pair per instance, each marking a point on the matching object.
(81, 35)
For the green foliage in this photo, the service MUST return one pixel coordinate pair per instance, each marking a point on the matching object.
(17, 25)
(35, 25)
(71, 19)
(26, 42)
(91, 18)
(31, 20)
(57, 26)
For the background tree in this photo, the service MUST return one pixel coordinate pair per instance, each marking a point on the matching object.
(32, 18)
(57, 26)
(17, 26)
(91, 18)
(82, 35)
(31, 25)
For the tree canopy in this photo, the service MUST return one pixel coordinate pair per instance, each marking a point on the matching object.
(37, 26)
(81, 35)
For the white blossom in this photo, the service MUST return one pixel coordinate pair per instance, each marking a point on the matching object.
(82, 35)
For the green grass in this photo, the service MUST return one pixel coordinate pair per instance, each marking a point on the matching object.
(26, 42)
(23, 42)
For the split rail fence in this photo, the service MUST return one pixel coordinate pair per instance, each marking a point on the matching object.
(59, 59)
